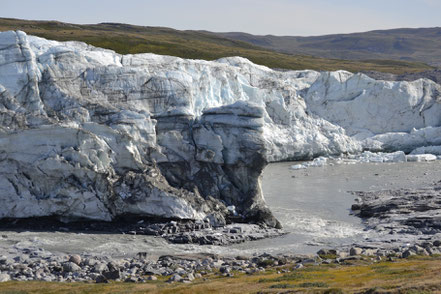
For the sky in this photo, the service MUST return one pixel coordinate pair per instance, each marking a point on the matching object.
(261, 17)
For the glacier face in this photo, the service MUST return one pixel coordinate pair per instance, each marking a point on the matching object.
(88, 133)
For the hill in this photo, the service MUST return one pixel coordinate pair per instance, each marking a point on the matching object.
(420, 45)
(125, 39)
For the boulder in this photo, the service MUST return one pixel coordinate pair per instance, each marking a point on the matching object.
(4, 278)
(75, 259)
(71, 267)
(175, 278)
(355, 251)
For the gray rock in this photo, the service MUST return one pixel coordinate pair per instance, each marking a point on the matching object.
(19, 266)
(342, 254)
(132, 271)
(152, 278)
(3, 259)
(251, 271)
(190, 277)
(352, 257)
(418, 249)
(20, 258)
(99, 268)
(91, 262)
(299, 266)
(47, 279)
(355, 251)
(149, 270)
(369, 252)
(180, 271)
(309, 261)
(113, 272)
(197, 275)
(175, 278)
(383, 211)
(4, 278)
(71, 267)
(142, 255)
(101, 279)
(408, 253)
(327, 252)
(224, 270)
(433, 251)
(131, 280)
(427, 245)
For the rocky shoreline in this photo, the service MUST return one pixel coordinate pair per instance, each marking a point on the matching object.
(30, 265)
(391, 213)
(175, 232)
(406, 222)
(401, 215)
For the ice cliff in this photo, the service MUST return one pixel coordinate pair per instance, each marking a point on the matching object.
(88, 133)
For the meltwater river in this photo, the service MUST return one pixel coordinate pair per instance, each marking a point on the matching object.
(313, 206)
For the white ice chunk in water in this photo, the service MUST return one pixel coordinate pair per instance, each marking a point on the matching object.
(398, 156)
(421, 157)
(298, 166)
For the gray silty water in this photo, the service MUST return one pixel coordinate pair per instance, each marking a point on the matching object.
(312, 204)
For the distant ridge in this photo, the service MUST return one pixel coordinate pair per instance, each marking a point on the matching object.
(420, 44)
(131, 39)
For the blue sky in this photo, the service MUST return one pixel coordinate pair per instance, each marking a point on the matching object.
(277, 17)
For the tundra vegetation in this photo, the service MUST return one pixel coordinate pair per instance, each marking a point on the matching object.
(130, 39)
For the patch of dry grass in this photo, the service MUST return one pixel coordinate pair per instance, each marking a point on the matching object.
(417, 275)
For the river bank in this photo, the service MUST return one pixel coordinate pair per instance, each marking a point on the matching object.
(362, 274)
(141, 252)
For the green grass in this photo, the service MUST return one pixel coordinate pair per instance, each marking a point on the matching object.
(127, 39)
(302, 285)
(266, 263)
(313, 285)
(328, 256)
(295, 276)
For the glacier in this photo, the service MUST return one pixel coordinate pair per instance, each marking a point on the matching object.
(86, 133)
